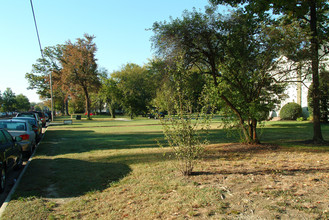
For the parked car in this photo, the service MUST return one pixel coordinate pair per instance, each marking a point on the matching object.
(42, 117)
(35, 126)
(10, 155)
(22, 129)
(156, 115)
(47, 116)
(30, 114)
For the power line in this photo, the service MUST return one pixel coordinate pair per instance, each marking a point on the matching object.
(41, 51)
(36, 28)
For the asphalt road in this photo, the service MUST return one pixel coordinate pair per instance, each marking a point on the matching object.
(12, 177)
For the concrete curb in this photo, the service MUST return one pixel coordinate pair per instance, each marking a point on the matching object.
(12, 191)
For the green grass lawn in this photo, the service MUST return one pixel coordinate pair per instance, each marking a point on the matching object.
(114, 169)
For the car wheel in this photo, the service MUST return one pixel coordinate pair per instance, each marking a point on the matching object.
(31, 150)
(19, 162)
(28, 153)
(2, 178)
(34, 146)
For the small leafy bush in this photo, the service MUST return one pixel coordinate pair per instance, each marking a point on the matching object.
(184, 137)
(310, 118)
(290, 111)
(300, 119)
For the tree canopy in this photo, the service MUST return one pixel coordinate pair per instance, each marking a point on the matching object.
(237, 53)
(22, 103)
(79, 68)
(313, 13)
(135, 88)
(9, 102)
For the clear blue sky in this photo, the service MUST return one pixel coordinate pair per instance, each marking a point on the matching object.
(119, 27)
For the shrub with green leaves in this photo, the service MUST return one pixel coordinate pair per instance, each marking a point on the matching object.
(183, 128)
(183, 135)
(290, 111)
(300, 119)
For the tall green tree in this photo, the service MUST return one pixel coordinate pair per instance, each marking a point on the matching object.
(39, 77)
(98, 98)
(134, 85)
(111, 95)
(22, 103)
(238, 55)
(77, 103)
(80, 67)
(165, 73)
(315, 14)
(8, 101)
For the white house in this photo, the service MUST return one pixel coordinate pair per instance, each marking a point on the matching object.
(299, 82)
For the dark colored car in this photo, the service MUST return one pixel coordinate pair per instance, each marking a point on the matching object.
(11, 156)
(42, 117)
(156, 115)
(47, 116)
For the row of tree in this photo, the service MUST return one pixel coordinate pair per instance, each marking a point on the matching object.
(9, 102)
(234, 63)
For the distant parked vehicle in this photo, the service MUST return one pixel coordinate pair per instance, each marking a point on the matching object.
(156, 115)
(42, 117)
(37, 128)
(10, 155)
(30, 114)
(47, 116)
(23, 130)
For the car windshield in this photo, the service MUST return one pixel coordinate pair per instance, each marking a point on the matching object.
(13, 125)
(32, 121)
(40, 114)
(26, 115)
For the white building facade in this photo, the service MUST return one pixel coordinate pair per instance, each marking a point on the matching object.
(299, 83)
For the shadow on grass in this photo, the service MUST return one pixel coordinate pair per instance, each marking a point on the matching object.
(300, 134)
(64, 178)
(72, 141)
(58, 142)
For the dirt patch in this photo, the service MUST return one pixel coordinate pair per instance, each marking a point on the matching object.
(266, 181)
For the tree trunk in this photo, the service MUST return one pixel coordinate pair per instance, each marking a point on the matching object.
(87, 103)
(66, 107)
(100, 107)
(112, 112)
(63, 107)
(250, 133)
(111, 108)
(254, 134)
(317, 134)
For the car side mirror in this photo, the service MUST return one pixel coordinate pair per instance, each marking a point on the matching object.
(17, 139)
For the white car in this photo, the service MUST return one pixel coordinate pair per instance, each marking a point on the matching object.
(22, 129)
